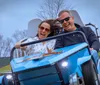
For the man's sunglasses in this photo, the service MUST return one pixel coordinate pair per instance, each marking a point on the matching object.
(66, 19)
(46, 29)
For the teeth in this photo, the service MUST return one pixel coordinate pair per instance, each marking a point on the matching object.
(43, 34)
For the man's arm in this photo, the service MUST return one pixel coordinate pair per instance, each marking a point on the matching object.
(92, 39)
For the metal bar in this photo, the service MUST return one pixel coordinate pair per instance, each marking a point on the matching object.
(49, 38)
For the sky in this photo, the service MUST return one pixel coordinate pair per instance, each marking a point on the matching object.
(15, 14)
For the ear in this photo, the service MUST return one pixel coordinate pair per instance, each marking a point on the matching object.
(73, 17)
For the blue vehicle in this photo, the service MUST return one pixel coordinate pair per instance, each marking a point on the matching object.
(71, 65)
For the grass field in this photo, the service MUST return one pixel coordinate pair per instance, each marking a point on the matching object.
(5, 69)
(99, 54)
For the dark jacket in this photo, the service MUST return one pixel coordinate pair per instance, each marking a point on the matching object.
(74, 39)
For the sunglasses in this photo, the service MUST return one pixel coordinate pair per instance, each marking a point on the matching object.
(66, 19)
(46, 29)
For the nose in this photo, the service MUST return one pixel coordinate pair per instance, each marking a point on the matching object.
(43, 30)
(65, 21)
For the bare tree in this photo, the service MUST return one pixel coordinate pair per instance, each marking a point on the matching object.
(5, 46)
(19, 35)
(1, 44)
(51, 8)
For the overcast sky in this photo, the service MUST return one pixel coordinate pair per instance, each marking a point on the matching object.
(15, 14)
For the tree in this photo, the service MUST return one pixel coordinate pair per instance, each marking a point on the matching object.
(5, 46)
(1, 44)
(19, 35)
(51, 8)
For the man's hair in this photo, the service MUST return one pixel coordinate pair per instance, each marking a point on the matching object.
(68, 11)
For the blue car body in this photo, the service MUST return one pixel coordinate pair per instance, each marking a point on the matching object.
(46, 70)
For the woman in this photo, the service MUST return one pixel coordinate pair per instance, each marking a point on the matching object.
(44, 30)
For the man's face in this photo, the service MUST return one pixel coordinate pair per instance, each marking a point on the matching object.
(67, 21)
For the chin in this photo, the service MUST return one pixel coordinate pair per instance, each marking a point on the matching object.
(42, 37)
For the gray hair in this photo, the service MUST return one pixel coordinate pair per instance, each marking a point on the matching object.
(68, 11)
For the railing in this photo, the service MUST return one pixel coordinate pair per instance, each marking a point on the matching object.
(46, 39)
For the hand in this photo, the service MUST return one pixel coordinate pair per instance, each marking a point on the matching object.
(91, 49)
(18, 46)
(49, 50)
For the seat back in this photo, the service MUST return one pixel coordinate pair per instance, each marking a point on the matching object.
(33, 27)
(77, 17)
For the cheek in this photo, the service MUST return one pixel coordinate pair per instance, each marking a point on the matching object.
(39, 30)
(47, 34)
(72, 21)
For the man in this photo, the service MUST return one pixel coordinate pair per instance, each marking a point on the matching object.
(67, 21)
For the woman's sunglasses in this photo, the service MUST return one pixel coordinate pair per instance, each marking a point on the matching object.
(65, 19)
(46, 29)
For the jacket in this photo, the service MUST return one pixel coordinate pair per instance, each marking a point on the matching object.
(93, 41)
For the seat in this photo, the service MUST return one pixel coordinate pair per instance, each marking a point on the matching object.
(33, 27)
(77, 17)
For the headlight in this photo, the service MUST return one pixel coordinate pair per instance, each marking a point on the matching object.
(64, 64)
(9, 76)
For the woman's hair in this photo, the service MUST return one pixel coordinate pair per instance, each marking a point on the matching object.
(55, 26)
(49, 21)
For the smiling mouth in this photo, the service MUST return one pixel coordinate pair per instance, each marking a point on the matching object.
(66, 25)
(42, 34)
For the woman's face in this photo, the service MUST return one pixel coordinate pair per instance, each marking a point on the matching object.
(43, 30)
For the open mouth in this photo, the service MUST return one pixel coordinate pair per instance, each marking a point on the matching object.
(42, 34)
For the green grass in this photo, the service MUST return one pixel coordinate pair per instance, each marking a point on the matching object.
(99, 54)
(5, 69)
(4, 61)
